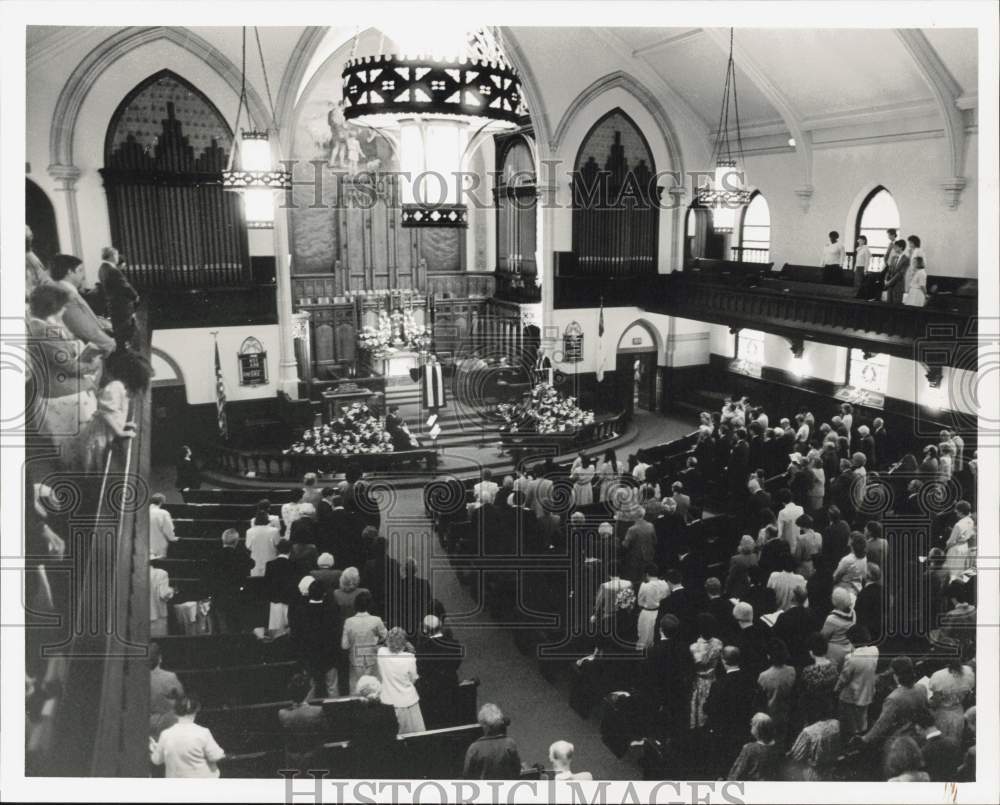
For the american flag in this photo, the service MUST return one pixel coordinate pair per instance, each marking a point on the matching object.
(220, 397)
(601, 357)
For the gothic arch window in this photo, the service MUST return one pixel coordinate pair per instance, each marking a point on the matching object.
(516, 198)
(755, 231)
(615, 200)
(877, 213)
(163, 153)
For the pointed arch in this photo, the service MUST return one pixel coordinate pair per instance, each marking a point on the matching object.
(876, 212)
(87, 72)
(755, 230)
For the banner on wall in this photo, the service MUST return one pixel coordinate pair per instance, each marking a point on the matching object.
(601, 351)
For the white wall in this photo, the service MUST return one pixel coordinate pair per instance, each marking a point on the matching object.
(911, 169)
(193, 351)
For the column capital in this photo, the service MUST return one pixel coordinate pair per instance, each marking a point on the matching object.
(66, 175)
(805, 194)
(952, 189)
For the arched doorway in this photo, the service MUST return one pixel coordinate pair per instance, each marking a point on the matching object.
(41, 217)
(636, 368)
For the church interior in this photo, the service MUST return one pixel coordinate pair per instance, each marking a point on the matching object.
(447, 403)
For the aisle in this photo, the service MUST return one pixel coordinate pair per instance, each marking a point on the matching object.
(539, 710)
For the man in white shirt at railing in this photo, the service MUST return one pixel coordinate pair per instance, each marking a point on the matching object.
(833, 258)
(862, 261)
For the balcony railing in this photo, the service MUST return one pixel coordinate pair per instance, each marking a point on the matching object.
(749, 254)
(98, 653)
(515, 286)
(807, 311)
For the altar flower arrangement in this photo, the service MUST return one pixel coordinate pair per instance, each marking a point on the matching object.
(546, 411)
(357, 431)
(394, 331)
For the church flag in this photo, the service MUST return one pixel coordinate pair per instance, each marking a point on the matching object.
(432, 386)
(600, 345)
(220, 396)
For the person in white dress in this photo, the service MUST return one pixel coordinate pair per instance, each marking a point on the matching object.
(651, 592)
(397, 668)
(962, 533)
(582, 475)
(262, 543)
(608, 471)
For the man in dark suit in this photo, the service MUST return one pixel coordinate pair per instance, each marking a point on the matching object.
(120, 298)
(325, 535)
(728, 710)
(668, 678)
(720, 608)
(680, 604)
(281, 581)
(438, 661)
(757, 446)
(692, 565)
(739, 468)
(882, 444)
(669, 527)
(692, 478)
(639, 548)
(682, 499)
(315, 626)
(227, 572)
(751, 640)
(795, 625)
(523, 521)
(347, 528)
(866, 445)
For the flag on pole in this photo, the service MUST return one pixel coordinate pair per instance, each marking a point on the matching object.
(220, 396)
(600, 345)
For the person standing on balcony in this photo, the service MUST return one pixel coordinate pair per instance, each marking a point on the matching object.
(862, 261)
(120, 297)
(833, 259)
(67, 272)
(895, 272)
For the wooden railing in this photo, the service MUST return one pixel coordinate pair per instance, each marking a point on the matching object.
(524, 443)
(275, 465)
(749, 254)
(102, 716)
(797, 311)
(517, 287)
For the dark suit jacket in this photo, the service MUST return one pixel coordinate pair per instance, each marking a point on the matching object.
(882, 449)
(349, 548)
(668, 678)
(794, 626)
(681, 604)
(438, 660)
(119, 295)
(729, 708)
(752, 643)
(303, 530)
(227, 572)
(721, 609)
(281, 580)
(315, 631)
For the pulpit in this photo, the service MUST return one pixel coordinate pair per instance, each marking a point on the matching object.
(346, 394)
(396, 367)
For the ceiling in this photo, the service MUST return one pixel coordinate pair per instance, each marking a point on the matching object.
(815, 77)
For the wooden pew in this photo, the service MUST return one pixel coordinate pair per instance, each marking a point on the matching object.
(245, 497)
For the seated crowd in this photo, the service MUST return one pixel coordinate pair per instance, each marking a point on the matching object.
(789, 634)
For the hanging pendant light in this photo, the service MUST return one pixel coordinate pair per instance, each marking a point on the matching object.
(727, 192)
(252, 171)
(432, 105)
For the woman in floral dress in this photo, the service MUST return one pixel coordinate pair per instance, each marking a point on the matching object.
(582, 475)
(706, 652)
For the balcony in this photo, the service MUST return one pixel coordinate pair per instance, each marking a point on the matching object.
(942, 334)
(514, 286)
(227, 306)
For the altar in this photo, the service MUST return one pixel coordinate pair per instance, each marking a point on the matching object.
(396, 367)
(344, 395)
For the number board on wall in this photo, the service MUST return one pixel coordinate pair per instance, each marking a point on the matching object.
(253, 363)
(573, 343)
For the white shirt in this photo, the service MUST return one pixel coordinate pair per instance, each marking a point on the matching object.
(160, 592)
(833, 254)
(862, 258)
(262, 542)
(398, 672)
(784, 584)
(786, 524)
(486, 491)
(161, 530)
(187, 749)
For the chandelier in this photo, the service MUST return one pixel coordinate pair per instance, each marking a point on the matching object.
(251, 169)
(726, 193)
(432, 105)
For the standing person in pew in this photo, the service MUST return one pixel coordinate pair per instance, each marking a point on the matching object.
(281, 580)
(862, 260)
(188, 476)
(833, 259)
(438, 660)
(165, 690)
(326, 574)
(316, 627)
(187, 749)
(362, 634)
(227, 573)
(310, 491)
(494, 756)
(262, 540)
(302, 534)
(326, 535)
(161, 527)
(303, 725)
(397, 669)
(373, 736)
